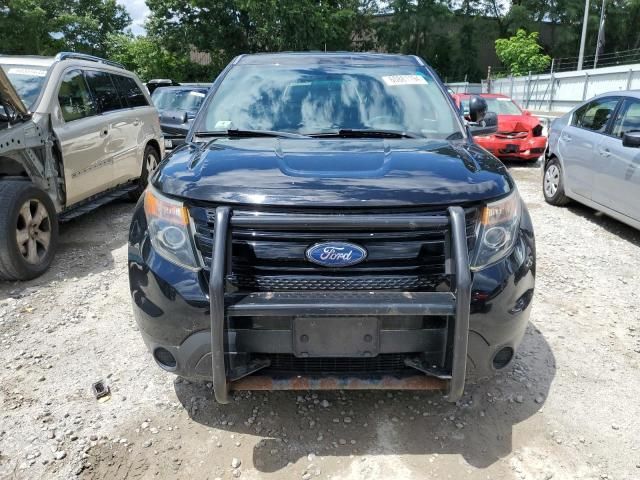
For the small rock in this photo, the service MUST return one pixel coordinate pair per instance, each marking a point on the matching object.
(325, 404)
(60, 454)
(147, 444)
(235, 462)
(236, 473)
(519, 398)
(539, 399)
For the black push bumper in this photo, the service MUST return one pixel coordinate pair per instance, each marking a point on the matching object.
(453, 304)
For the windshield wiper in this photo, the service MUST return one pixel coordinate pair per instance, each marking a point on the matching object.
(366, 133)
(235, 132)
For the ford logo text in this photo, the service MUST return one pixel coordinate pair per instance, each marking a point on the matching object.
(336, 254)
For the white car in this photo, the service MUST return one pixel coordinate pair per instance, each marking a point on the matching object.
(593, 156)
(76, 131)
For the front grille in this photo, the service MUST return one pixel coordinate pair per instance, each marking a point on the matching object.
(382, 364)
(271, 260)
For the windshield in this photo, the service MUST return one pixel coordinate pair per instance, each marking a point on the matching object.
(499, 105)
(308, 100)
(184, 100)
(27, 80)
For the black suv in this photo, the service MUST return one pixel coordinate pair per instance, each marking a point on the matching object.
(330, 223)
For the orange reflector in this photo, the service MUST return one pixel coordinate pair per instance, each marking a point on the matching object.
(163, 209)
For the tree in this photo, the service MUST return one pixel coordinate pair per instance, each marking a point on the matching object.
(44, 27)
(146, 57)
(226, 28)
(522, 54)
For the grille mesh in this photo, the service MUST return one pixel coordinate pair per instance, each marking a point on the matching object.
(382, 364)
(271, 260)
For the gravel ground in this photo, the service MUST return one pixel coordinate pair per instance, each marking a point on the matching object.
(567, 409)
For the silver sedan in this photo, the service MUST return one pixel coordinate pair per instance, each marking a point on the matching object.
(593, 157)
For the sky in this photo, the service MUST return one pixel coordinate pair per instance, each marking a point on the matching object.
(138, 11)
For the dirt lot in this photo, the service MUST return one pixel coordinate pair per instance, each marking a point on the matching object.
(568, 409)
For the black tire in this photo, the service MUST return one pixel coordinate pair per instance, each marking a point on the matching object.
(553, 183)
(29, 237)
(151, 159)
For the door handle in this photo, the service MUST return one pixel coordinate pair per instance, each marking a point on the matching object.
(104, 133)
(566, 137)
(136, 122)
(605, 152)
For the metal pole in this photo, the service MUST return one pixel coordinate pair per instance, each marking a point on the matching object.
(583, 39)
(600, 28)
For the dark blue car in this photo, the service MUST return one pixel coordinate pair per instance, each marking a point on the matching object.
(330, 223)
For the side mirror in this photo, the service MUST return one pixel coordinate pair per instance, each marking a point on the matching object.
(488, 126)
(477, 108)
(526, 112)
(631, 139)
(174, 117)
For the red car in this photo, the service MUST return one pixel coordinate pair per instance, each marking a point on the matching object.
(519, 135)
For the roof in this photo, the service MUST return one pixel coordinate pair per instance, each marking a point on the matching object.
(191, 88)
(483, 95)
(341, 58)
(31, 60)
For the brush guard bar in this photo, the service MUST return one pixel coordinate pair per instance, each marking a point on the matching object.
(455, 304)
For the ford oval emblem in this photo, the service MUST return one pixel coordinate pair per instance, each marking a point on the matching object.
(336, 254)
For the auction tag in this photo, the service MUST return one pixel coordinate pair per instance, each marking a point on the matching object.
(31, 72)
(197, 94)
(394, 80)
(223, 124)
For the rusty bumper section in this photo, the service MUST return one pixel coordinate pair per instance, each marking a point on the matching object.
(265, 382)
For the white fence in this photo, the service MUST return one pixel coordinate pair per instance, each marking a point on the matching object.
(465, 87)
(558, 92)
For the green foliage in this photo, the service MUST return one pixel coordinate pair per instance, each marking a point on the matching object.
(146, 57)
(227, 28)
(45, 27)
(522, 54)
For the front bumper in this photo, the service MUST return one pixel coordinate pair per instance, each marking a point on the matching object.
(529, 148)
(179, 311)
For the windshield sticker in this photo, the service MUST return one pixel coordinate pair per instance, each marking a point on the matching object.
(500, 99)
(197, 94)
(394, 80)
(30, 72)
(223, 124)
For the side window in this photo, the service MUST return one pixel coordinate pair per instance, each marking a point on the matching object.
(104, 91)
(130, 91)
(74, 97)
(628, 118)
(595, 115)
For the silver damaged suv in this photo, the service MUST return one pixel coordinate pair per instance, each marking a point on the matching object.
(76, 131)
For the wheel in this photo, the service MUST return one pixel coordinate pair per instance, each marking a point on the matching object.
(150, 162)
(28, 231)
(552, 184)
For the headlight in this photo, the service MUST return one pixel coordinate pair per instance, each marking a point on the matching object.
(168, 224)
(499, 223)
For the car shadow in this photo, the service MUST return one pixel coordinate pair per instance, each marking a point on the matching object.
(85, 247)
(293, 424)
(622, 230)
(523, 163)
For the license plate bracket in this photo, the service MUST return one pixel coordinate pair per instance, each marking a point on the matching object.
(336, 336)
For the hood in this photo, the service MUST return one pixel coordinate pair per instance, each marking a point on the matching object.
(9, 96)
(516, 123)
(333, 172)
